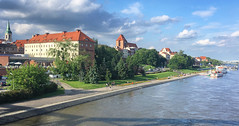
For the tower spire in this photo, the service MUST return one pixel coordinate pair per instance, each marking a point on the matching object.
(8, 33)
(8, 30)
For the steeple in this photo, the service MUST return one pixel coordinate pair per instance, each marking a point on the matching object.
(8, 33)
(8, 30)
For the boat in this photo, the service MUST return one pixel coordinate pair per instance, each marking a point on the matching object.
(222, 69)
(216, 74)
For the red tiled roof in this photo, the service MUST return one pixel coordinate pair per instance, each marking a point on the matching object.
(167, 49)
(198, 58)
(59, 37)
(132, 45)
(203, 57)
(173, 53)
(120, 38)
(20, 43)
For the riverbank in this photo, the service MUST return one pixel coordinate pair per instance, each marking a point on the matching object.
(16, 111)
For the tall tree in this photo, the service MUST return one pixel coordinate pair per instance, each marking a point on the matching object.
(122, 69)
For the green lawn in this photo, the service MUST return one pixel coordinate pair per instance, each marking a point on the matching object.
(136, 79)
(186, 71)
(59, 91)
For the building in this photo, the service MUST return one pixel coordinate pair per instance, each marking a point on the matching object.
(8, 33)
(167, 53)
(39, 45)
(204, 58)
(7, 48)
(128, 49)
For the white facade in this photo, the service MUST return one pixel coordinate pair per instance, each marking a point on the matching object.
(41, 49)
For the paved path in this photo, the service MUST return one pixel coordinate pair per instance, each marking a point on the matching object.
(71, 94)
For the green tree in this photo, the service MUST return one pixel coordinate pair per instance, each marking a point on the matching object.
(67, 61)
(92, 75)
(122, 69)
(28, 77)
(108, 76)
(181, 61)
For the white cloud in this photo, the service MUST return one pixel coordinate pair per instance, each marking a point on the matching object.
(186, 34)
(133, 9)
(212, 25)
(137, 39)
(235, 34)
(205, 13)
(205, 42)
(151, 47)
(82, 6)
(12, 14)
(130, 23)
(164, 39)
(162, 19)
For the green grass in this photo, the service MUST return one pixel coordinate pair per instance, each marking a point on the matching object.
(147, 67)
(137, 78)
(186, 71)
(59, 91)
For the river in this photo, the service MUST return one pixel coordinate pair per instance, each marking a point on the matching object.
(196, 101)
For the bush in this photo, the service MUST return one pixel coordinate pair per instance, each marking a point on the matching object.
(24, 94)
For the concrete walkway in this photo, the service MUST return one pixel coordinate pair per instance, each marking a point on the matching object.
(16, 111)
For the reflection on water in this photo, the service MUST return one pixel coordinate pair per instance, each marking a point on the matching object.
(193, 101)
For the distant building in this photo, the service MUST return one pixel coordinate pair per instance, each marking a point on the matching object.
(39, 45)
(128, 49)
(8, 48)
(167, 53)
(204, 58)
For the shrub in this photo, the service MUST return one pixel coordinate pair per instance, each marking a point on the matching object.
(24, 94)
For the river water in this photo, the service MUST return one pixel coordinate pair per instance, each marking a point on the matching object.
(196, 101)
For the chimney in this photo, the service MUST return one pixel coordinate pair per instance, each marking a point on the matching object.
(33, 36)
(78, 30)
(64, 32)
(36, 34)
(46, 33)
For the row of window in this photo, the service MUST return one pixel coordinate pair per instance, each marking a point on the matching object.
(45, 54)
(37, 46)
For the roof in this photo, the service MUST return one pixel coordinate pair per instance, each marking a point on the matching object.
(173, 53)
(20, 43)
(167, 49)
(8, 30)
(132, 45)
(203, 57)
(59, 37)
(120, 38)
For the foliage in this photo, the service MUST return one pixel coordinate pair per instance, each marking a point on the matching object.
(68, 63)
(181, 61)
(24, 94)
(122, 69)
(107, 58)
(29, 77)
(108, 76)
(149, 57)
(92, 75)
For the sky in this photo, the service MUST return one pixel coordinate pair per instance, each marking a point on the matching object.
(198, 27)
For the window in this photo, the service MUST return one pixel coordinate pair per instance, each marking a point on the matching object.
(86, 45)
(90, 45)
(82, 44)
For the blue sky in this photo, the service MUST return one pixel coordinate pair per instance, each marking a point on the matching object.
(200, 28)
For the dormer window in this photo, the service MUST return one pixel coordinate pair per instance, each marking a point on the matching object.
(87, 39)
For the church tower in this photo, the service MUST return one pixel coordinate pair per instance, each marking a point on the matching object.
(8, 33)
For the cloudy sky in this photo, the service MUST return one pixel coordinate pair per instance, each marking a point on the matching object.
(199, 28)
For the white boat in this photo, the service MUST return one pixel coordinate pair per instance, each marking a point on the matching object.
(216, 74)
(222, 69)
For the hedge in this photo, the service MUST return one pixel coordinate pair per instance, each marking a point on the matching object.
(24, 94)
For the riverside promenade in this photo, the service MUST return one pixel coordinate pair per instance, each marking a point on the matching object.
(17, 111)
